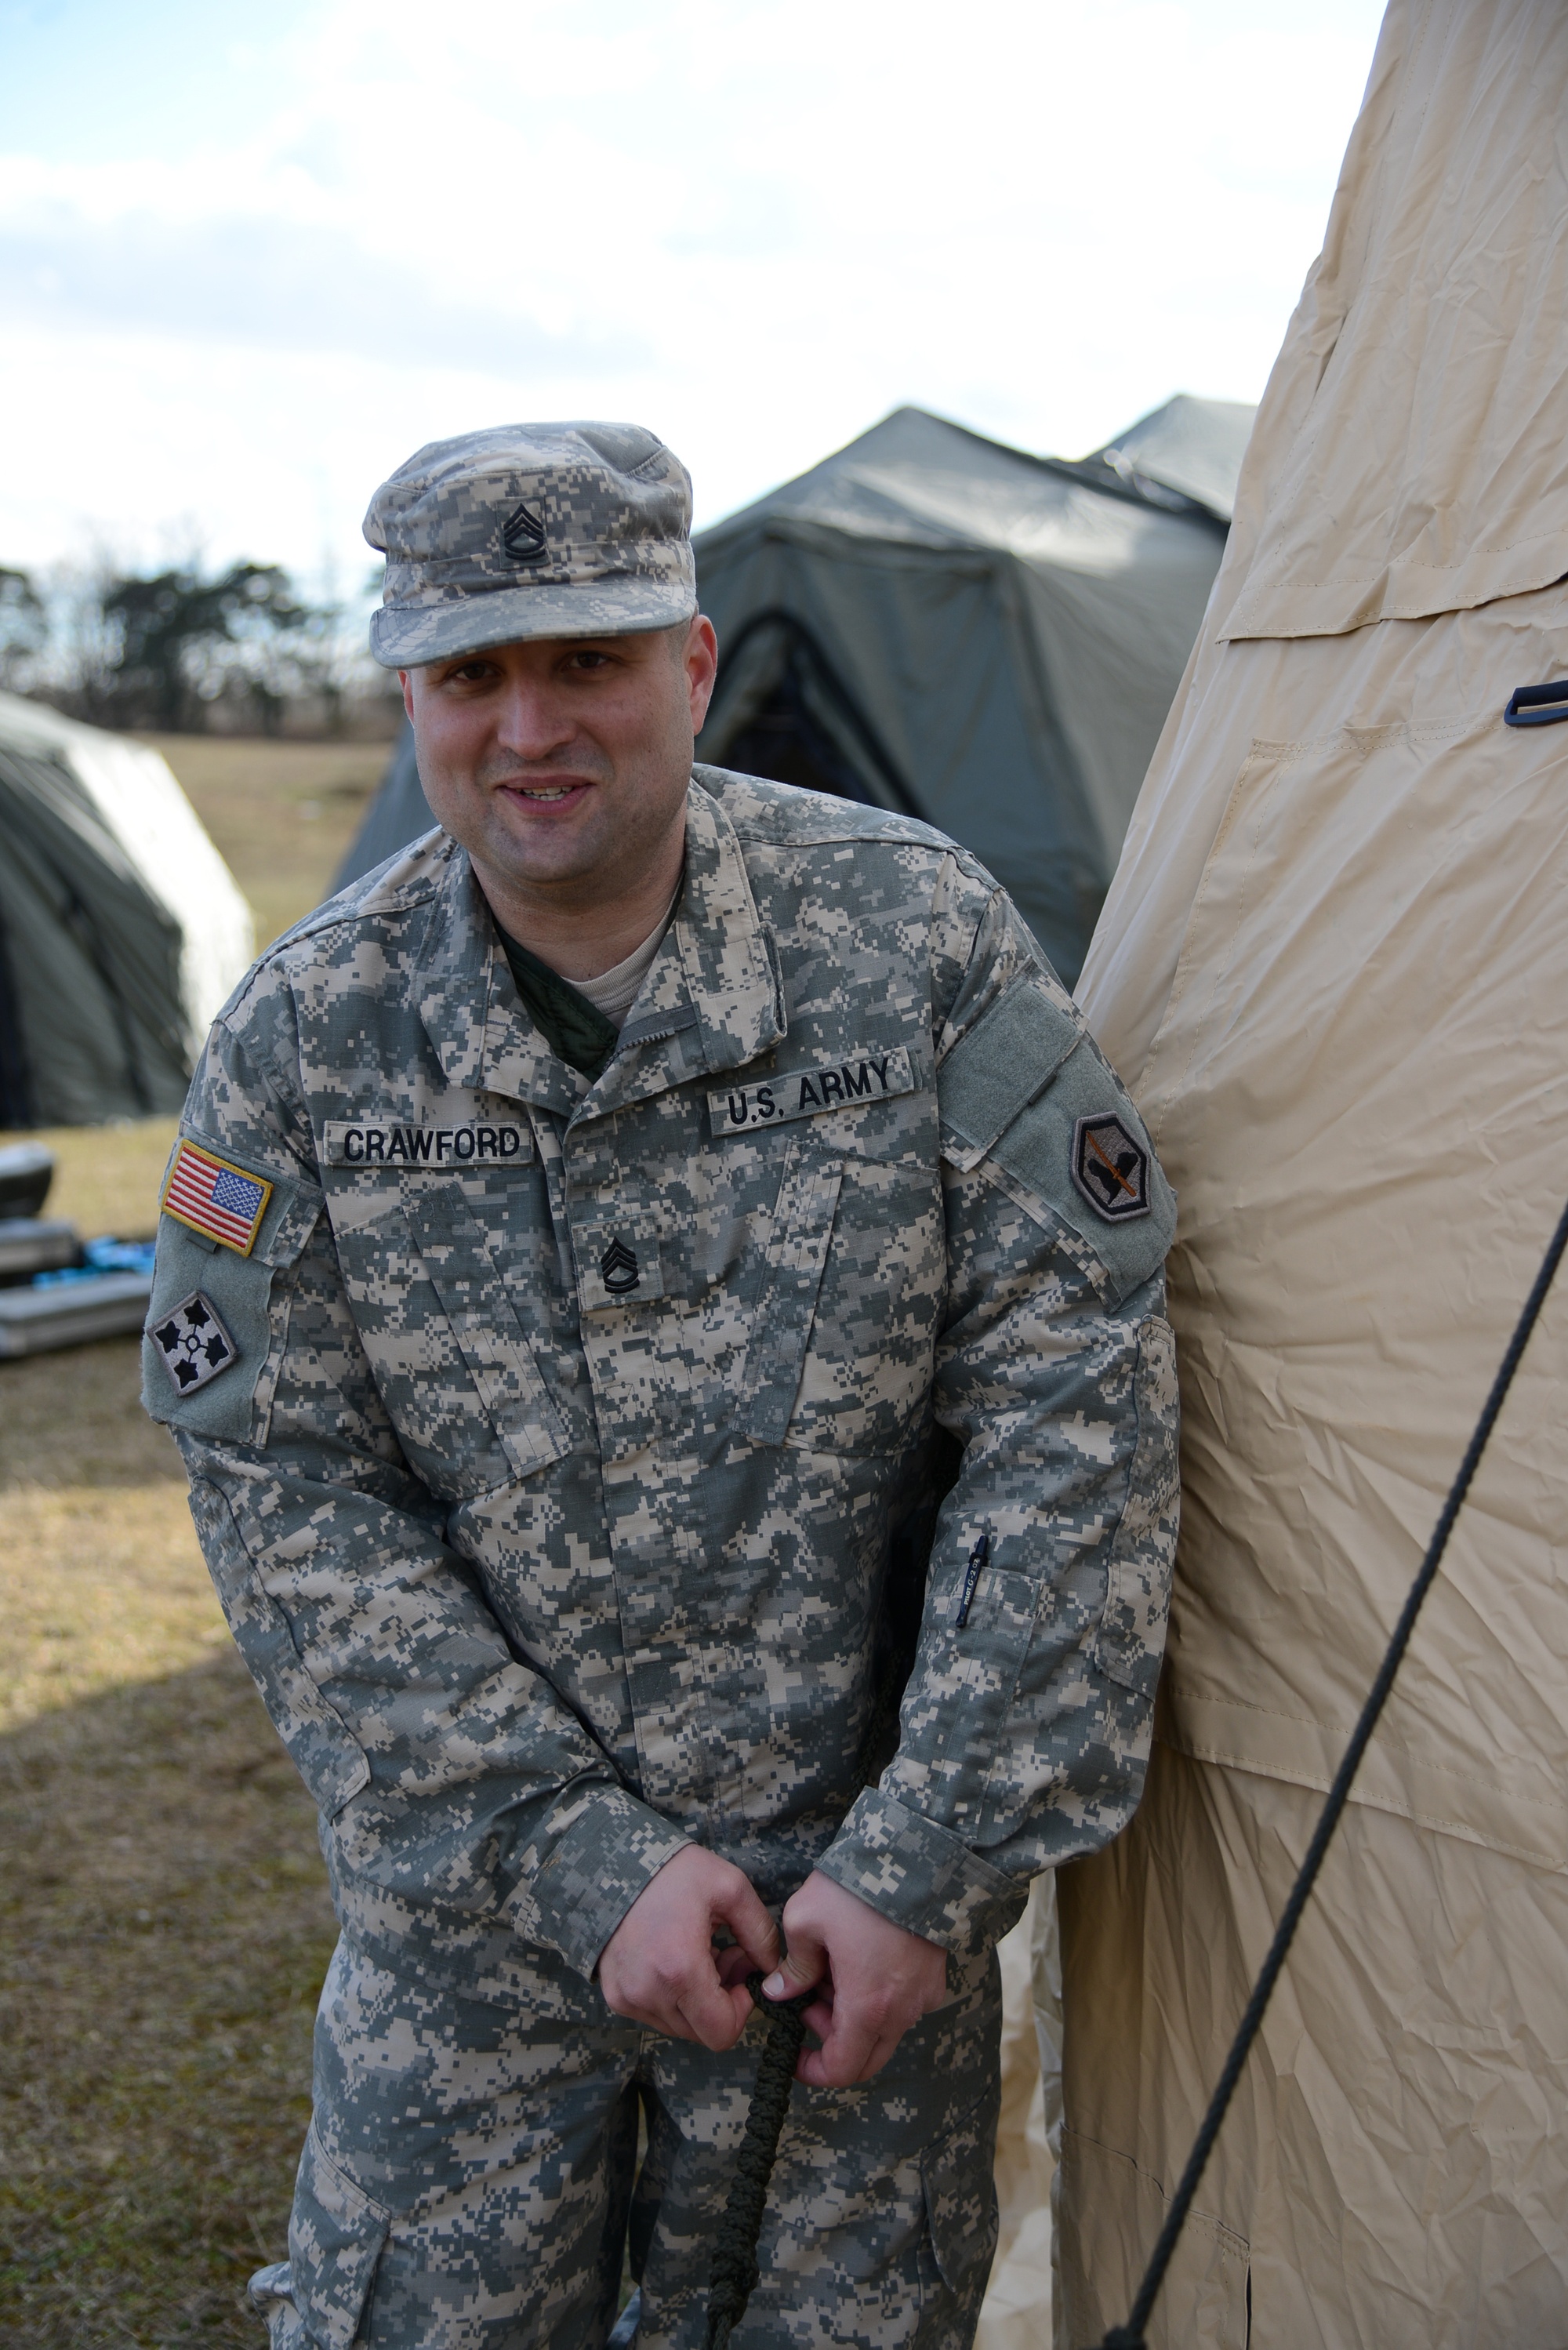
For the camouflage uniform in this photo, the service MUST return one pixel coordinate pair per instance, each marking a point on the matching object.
(572, 1442)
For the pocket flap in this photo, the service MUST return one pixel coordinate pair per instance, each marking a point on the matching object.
(780, 1332)
(335, 2239)
(958, 2177)
(490, 1339)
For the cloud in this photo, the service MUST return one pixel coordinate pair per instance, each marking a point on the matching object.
(275, 283)
(758, 225)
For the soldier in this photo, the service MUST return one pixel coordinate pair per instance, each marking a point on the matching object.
(646, 1276)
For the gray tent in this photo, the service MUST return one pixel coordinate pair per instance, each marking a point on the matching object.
(121, 929)
(934, 622)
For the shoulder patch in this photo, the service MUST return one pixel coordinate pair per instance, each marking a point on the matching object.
(1110, 1167)
(1126, 1213)
(193, 1343)
(215, 1197)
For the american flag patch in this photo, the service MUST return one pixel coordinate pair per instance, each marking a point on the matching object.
(214, 1198)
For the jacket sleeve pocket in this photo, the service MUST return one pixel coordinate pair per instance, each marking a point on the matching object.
(1130, 1641)
(324, 1751)
(335, 2239)
(786, 1308)
(238, 1402)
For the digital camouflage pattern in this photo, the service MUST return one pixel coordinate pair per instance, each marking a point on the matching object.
(530, 530)
(468, 2177)
(570, 1468)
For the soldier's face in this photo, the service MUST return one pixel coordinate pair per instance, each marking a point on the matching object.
(562, 762)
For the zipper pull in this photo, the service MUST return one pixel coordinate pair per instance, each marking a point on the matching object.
(978, 1559)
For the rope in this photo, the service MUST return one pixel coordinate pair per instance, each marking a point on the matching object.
(1130, 2336)
(733, 2276)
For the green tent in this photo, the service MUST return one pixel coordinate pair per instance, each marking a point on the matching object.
(935, 622)
(121, 930)
(989, 640)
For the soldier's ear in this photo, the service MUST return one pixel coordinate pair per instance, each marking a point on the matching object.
(700, 657)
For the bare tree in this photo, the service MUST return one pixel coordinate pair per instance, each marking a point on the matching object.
(24, 630)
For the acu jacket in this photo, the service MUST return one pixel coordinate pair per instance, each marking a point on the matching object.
(574, 1452)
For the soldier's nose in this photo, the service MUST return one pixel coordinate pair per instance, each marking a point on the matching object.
(532, 723)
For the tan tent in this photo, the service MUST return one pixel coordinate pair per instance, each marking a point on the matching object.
(1334, 967)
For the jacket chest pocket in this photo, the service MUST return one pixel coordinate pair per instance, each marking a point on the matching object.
(455, 1366)
(844, 1340)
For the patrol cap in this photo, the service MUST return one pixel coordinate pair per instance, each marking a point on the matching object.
(530, 530)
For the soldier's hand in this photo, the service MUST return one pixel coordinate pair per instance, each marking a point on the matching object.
(660, 1966)
(877, 1980)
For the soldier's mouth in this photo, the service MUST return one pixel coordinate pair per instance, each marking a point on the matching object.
(545, 795)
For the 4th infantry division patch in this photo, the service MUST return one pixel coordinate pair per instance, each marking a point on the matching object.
(214, 1198)
(193, 1343)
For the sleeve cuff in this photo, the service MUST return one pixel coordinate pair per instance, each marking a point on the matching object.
(610, 1849)
(921, 1877)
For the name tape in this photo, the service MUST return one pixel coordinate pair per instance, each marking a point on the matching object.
(381, 1143)
(849, 1084)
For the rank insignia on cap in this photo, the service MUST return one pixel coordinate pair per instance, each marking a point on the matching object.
(1109, 1168)
(214, 1198)
(193, 1343)
(523, 536)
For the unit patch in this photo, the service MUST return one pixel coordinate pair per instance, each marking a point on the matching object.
(222, 1202)
(382, 1143)
(1110, 1168)
(859, 1078)
(193, 1343)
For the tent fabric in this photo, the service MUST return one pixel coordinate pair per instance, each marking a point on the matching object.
(969, 634)
(1017, 2311)
(398, 814)
(121, 929)
(1392, 2170)
(1190, 448)
(1413, 471)
(1330, 969)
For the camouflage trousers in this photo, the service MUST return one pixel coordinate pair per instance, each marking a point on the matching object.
(471, 2179)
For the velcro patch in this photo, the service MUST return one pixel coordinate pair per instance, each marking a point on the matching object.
(1110, 1168)
(225, 1203)
(999, 1065)
(193, 1343)
(379, 1142)
(847, 1083)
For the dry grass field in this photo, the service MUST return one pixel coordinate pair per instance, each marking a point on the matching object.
(281, 813)
(163, 1917)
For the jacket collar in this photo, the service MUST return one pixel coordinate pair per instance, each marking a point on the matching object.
(482, 1038)
(712, 1001)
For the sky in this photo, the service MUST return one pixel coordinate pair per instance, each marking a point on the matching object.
(250, 259)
